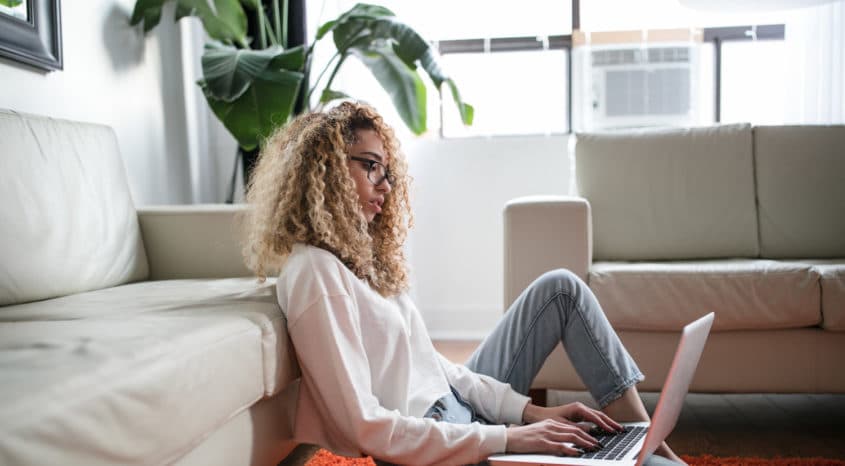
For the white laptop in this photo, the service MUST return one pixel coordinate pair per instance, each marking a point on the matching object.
(641, 438)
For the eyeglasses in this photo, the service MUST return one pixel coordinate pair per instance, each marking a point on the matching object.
(376, 171)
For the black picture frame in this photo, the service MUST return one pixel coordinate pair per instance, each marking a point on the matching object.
(36, 41)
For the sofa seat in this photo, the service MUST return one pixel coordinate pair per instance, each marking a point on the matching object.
(832, 273)
(124, 375)
(746, 294)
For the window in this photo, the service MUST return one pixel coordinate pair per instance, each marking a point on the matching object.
(653, 62)
(512, 66)
(753, 82)
(521, 92)
(765, 65)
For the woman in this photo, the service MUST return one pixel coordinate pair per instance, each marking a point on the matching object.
(330, 211)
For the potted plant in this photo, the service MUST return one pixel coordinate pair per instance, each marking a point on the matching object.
(253, 83)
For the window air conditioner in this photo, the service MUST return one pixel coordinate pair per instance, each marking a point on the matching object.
(635, 86)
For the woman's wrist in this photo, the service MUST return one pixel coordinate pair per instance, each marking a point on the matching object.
(532, 413)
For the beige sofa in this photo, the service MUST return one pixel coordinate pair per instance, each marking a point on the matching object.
(669, 224)
(127, 337)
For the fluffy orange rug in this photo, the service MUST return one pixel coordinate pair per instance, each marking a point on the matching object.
(324, 458)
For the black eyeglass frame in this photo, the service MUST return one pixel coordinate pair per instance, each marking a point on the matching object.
(370, 165)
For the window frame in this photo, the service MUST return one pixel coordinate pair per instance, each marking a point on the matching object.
(716, 35)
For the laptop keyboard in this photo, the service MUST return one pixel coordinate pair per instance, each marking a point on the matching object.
(615, 445)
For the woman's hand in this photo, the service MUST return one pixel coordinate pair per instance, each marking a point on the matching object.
(572, 413)
(549, 436)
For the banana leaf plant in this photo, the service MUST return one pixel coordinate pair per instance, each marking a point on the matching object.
(252, 84)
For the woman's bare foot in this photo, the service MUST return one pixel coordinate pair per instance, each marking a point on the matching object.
(666, 452)
(629, 408)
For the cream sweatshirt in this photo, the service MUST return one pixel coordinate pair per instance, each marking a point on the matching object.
(370, 372)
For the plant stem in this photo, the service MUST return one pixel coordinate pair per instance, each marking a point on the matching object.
(271, 34)
(317, 81)
(334, 72)
(262, 29)
(306, 70)
(277, 20)
(336, 69)
(284, 25)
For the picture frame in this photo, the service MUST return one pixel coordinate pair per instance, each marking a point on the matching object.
(35, 38)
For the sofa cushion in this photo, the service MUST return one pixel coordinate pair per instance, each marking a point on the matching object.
(801, 190)
(745, 294)
(131, 372)
(832, 273)
(669, 194)
(67, 220)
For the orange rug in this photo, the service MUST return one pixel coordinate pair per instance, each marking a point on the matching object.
(324, 458)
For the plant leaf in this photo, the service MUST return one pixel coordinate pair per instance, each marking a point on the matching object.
(352, 33)
(466, 110)
(325, 29)
(402, 83)
(329, 94)
(228, 71)
(11, 3)
(361, 11)
(292, 59)
(362, 32)
(438, 77)
(183, 9)
(407, 43)
(267, 104)
(253, 4)
(223, 20)
(148, 11)
(369, 10)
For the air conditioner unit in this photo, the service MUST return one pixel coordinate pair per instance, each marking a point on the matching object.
(635, 86)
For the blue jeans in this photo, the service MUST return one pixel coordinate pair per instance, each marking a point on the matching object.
(556, 308)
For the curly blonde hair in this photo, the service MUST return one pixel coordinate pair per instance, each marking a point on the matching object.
(301, 191)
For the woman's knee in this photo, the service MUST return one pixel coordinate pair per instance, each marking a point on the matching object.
(559, 285)
(561, 280)
(567, 286)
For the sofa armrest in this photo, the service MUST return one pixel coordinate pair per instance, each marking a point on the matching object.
(543, 233)
(193, 241)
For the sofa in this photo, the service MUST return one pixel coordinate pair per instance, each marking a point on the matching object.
(669, 224)
(127, 336)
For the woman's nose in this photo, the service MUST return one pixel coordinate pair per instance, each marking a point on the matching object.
(384, 186)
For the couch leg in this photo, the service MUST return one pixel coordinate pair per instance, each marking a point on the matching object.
(538, 396)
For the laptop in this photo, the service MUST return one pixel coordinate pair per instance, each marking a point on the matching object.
(640, 440)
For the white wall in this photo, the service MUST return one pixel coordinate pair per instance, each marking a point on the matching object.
(455, 250)
(114, 76)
